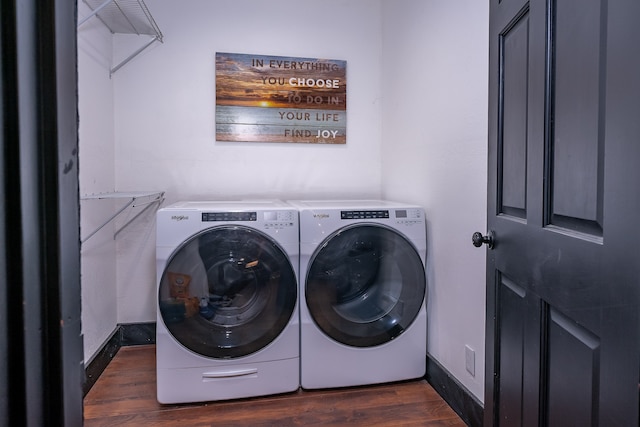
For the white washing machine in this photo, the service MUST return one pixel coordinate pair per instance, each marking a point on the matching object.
(363, 289)
(228, 321)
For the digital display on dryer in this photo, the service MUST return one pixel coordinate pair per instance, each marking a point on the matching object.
(373, 214)
(229, 216)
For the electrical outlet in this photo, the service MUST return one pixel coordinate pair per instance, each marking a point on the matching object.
(470, 360)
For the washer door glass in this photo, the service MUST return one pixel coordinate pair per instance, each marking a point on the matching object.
(365, 285)
(227, 292)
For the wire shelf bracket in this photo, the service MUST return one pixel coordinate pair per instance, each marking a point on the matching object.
(144, 199)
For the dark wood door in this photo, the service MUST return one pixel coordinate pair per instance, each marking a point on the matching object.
(564, 167)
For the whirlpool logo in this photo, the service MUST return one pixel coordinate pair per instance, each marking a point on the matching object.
(321, 216)
(180, 217)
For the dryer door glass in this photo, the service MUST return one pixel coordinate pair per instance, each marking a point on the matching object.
(365, 285)
(227, 292)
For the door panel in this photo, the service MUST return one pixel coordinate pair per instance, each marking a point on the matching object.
(575, 116)
(562, 278)
(574, 369)
(513, 139)
(512, 303)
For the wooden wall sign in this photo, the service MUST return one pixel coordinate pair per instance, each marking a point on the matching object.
(263, 98)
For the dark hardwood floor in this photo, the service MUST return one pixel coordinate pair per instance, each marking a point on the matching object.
(125, 394)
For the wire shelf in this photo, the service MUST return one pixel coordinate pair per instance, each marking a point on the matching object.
(125, 17)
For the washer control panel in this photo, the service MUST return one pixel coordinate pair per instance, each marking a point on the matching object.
(270, 219)
(229, 216)
(279, 219)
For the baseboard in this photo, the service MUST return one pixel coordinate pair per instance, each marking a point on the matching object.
(455, 394)
(137, 334)
(124, 335)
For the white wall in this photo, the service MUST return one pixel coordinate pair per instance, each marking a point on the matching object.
(96, 169)
(165, 122)
(434, 153)
(417, 76)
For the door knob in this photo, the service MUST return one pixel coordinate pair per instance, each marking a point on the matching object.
(478, 239)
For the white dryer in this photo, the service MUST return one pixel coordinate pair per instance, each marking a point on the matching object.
(363, 289)
(227, 317)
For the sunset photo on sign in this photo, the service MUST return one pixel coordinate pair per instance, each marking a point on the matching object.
(262, 98)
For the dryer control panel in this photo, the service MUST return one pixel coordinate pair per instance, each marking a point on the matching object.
(409, 216)
(402, 215)
(368, 214)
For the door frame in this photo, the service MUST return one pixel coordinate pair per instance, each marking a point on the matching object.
(42, 364)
